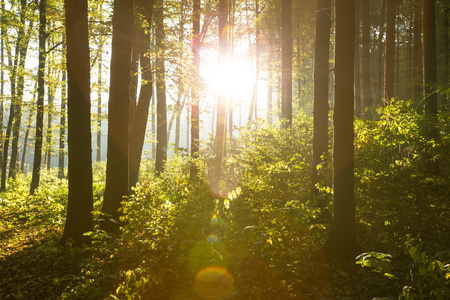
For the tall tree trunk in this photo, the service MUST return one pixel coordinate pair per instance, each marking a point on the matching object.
(321, 74)
(367, 91)
(286, 62)
(118, 113)
(99, 104)
(343, 235)
(50, 96)
(446, 55)
(380, 77)
(195, 98)
(27, 134)
(40, 98)
(80, 200)
(23, 50)
(358, 106)
(389, 60)
(221, 99)
(429, 56)
(253, 104)
(137, 135)
(62, 123)
(161, 110)
(2, 83)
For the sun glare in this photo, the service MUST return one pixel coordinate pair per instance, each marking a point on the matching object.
(233, 78)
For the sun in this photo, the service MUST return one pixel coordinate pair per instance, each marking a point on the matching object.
(233, 78)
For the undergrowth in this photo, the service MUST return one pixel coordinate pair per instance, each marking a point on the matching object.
(259, 236)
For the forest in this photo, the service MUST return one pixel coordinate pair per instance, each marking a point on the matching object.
(225, 149)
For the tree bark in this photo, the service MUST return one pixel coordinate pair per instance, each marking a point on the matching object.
(344, 245)
(286, 62)
(118, 113)
(321, 74)
(161, 110)
(195, 115)
(367, 91)
(390, 51)
(137, 135)
(62, 124)
(80, 200)
(358, 106)
(40, 99)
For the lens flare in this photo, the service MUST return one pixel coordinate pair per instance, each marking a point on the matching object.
(214, 283)
(213, 239)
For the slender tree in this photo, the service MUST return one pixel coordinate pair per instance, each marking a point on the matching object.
(62, 124)
(195, 116)
(321, 74)
(390, 51)
(286, 61)
(118, 116)
(380, 71)
(161, 111)
(80, 200)
(343, 235)
(366, 86)
(137, 134)
(429, 56)
(358, 106)
(221, 99)
(40, 98)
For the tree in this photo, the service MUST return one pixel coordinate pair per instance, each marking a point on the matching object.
(343, 241)
(195, 116)
(141, 110)
(286, 62)
(390, 51)
(367, 91)
(62, 124)
(357, 59)
(429, 56)
(80, 200)
(118, 113)
(321, 71)
(40, 98)
(161, 111)
(221, 129)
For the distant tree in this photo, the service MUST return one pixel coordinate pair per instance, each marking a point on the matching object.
(342, 242)
(429, 56)
(118, 113)
(17, 74)
(358, 106)
(366, 86)
(321, 80)
(80, 201)
(286, 61)
(40, 98)
(380, 71)
(390, 51)
(221, 129)
(62, 124)
(417, 49)
(161, 110)
(195, 116)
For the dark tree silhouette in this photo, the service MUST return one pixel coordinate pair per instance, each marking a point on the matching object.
(343, 241)
(321, 79)
(80, 202)
(389, 59)
(118, 113)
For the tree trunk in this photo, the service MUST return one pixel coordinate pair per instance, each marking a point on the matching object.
(344, 245)
(286, 62)
(118, 113)
(195, 115)
(389, 59)
(50, 96)
(161, 110)
(62, 124)
(221, 99)
(321, 74)
(367, 91)
(358, 106)
(99, 104)
(80, 200)
(429, 56)
(446, 56)
(137, 135)
(40, 98)
(380, 70)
